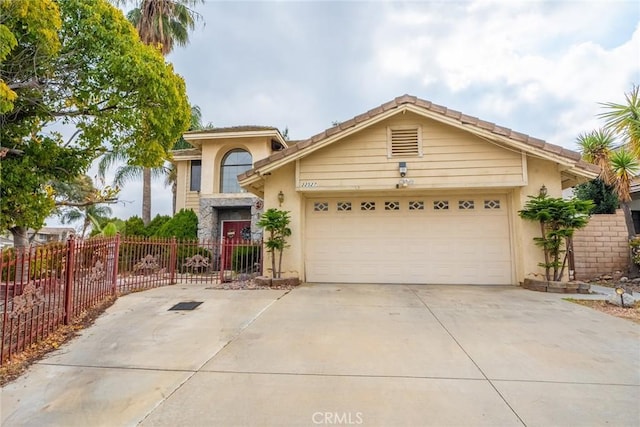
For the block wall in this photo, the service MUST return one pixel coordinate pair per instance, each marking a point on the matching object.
(601, 247)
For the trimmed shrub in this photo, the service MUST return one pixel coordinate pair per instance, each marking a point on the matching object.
(184, 225)
(151, 230)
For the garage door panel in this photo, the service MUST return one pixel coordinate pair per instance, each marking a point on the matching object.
(409, 246)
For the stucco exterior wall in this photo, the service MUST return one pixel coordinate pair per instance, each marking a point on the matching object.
(214, 151)
(284, 180)
(602, 246)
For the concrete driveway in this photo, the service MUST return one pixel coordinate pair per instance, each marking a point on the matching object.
(339, 355)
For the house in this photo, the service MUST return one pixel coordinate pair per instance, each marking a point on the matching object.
(207, 178)
(40, 237)
(408, 192)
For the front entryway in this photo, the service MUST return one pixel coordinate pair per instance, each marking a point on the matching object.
(460, 239)
(234, 233)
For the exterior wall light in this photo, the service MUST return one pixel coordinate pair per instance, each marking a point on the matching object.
(280, 197)
(543, 191)
(402, 168)
(620, 291)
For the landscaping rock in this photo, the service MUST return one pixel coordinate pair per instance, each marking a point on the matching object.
(615, 300)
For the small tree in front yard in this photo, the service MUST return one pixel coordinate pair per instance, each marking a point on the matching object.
(276, 223)
(558, 220)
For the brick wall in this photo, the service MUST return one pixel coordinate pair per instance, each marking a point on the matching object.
(602, 246)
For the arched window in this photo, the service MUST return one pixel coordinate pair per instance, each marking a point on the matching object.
(234, 163)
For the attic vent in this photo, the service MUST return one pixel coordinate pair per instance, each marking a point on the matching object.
(405, 141)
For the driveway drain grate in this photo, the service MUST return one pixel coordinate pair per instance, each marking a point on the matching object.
(186, 305)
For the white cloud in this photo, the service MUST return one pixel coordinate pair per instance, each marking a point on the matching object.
(537, 67)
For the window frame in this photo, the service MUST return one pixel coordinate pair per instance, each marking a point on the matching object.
(195, 185)
(223, 167)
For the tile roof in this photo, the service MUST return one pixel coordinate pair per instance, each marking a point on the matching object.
(463, 119)
(244, 128)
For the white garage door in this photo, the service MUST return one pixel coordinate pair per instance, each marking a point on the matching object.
(449, 240)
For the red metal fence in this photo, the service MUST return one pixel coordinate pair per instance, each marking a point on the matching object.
(146, 263)
(43, 287)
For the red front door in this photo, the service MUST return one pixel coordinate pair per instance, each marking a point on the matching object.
(233, 233)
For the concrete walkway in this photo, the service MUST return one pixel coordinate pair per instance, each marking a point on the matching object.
(339, 355)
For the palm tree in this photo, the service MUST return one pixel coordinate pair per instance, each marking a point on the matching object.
(85, 214)
(625, 166)
(596, 147)
(162, 24)
(624, 119)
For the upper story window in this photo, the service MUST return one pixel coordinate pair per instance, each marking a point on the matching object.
(234, 163)
(404, 141)
(194, 180)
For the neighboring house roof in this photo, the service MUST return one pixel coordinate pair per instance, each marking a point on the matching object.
(635, 185)
(488, 130)
(53, 230)
(186, 154)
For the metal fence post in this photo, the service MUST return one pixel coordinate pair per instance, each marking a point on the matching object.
(116, 257)
(173, 261)
(69, 277)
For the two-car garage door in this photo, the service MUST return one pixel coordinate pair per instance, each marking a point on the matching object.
(449, 239)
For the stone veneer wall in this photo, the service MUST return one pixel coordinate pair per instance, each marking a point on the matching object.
(602, 247)
(208, 215)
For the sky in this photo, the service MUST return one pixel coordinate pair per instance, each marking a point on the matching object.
(540, 68)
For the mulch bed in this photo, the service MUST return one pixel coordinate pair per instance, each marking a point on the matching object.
(247, 285)
(614, 281)
(629, 313)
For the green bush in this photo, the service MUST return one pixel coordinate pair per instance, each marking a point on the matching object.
(134, 227)
(151, 230)
(603, 195)
(244, 259)
(184, 225)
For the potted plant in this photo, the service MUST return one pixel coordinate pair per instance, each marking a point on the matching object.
(276, 223)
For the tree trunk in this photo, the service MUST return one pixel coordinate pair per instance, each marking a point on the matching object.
(628, 219)
(174, 191)
(21, 245)
(146, 196)
(631, 232)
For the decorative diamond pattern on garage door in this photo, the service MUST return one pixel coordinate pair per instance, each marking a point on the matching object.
(451, 240)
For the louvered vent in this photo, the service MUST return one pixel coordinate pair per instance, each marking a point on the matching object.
(405, 142)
